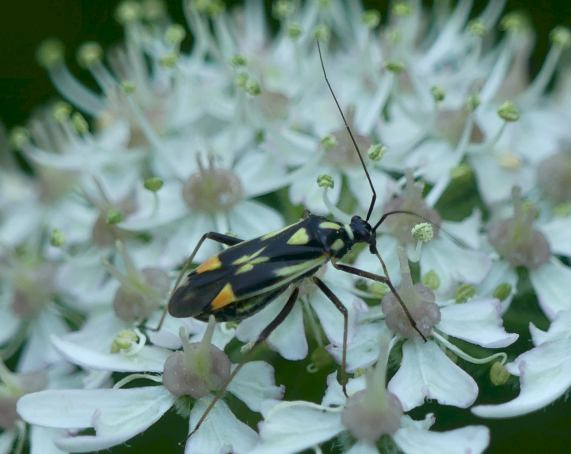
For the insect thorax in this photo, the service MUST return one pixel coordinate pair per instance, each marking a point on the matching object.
(337, 239)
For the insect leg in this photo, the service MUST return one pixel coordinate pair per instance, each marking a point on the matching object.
(384, 280)
(214, 236)
(339, 305)
(261, 338)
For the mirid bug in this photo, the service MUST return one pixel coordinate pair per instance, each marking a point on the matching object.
(247, 275)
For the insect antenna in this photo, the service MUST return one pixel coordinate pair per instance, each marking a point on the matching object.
(374, 197)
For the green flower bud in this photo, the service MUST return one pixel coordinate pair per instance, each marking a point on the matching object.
(79, 123)
(402, 9)
(322, 33)
(328, 142)
(499, 375)
(174, 34)
(19, 137)
(128, 87)
(422, 232)
(56, 238)
(431, 280)
(61, 111)
(238, 60)
(371, 18)
(464, 293)
(438, 93)
(153, 184)
(50, 53)
(472, 102)
(124, 340)
(508, 112)
(114, 216)
(502, 291)
(376, 152)
(477, 28)
(394, 67)
(89, 54)
(325, 181)
(561, 36)
(294, 30)
(128, 11)
(514, 22)
(283, 9)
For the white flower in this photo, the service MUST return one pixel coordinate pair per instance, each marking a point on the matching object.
(119, 414)
(369, 413)
(544, 371)
(426, 372)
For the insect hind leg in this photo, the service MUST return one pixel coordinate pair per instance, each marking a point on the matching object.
(261, 338)
(341, 308)
(214, 236)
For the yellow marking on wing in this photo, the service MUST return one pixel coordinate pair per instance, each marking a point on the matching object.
(299, 238)
(267, 236)
(338, 244)
(300, 267)
(224, 297)
(213, 263)
(329, 225)
(245, 268)
(248, 258)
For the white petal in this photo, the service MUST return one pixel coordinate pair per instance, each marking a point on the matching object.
(42, 440)
(100, 325)
(39, 352)
(500, 273)
(290, 427)
(558, 233)
(288, 339)
(545, 375)
(477, 321)
(148, 359)
(254, 384)
(305, 191)
(468, 229)
(559, 329)
(115, 414)
(468, 265)
(251, 219)
(363, 350)
(9, 323)
(334, 396)
(468, 440)
(330, 317)
(359, 187)
(260, 172)
(551, 284)
(184, 239)
(6, 441)
(363, 447)
(221, 432)
(426, 372)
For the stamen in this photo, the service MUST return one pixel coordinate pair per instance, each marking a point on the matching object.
(465, 356)
(129, 378)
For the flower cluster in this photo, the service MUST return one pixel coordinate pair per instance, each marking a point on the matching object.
(239, 134)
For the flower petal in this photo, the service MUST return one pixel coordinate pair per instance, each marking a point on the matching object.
(469, 266)
(148, 359)
(9, 323)
(500, 273)
(288, 339)
(545, 375)
(559, 329)
(426, 372)
(116, 414)
(290, 427)
(477, 321)
(254, 384)
(250, 219)
(363, 447)
(6, 441)
(220, 432)
(468, 440)
(551, 284)
(42, 440)
(262, 172)
(558, 233)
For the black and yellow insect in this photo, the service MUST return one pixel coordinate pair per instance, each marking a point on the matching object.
(247, 275)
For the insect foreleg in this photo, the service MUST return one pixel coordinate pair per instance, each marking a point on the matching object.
(384, 280)
(261, 338)
(339, 305)
(214, 236)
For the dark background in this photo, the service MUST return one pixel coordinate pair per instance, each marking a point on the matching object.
(24, 86)
(24, 24)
